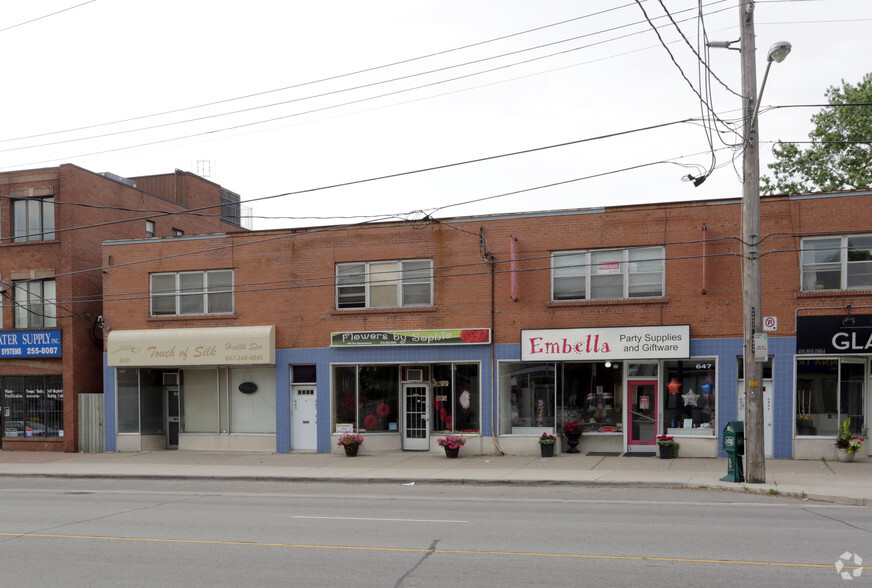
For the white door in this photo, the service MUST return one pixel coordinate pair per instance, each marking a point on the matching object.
(304, 418)
(416, 424)
(768, 430)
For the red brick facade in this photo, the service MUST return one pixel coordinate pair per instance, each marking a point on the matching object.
(88, 209)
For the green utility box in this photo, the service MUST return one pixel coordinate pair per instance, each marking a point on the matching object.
(733, 442)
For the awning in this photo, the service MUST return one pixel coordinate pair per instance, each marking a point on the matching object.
(183, 347)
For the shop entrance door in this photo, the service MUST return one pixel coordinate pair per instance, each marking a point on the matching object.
(304, 418)
(416, 424)
(642, 416)
(172, 404)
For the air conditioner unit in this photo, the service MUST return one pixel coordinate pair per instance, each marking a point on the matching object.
(414, 375)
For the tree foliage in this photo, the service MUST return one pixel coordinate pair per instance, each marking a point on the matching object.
(831, 163)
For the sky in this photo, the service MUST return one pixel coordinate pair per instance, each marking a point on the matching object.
(330, 111)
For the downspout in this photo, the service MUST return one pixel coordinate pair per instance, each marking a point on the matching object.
(492, 263)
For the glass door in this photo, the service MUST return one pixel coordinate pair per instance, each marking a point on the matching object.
(642, 416)
(416, 424)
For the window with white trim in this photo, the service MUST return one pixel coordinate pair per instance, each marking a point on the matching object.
(35, 304)
(837, 263)
(384, 284)
(191, 293)
(607, 274)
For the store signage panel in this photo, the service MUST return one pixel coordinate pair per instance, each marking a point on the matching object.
(405, 338)
(834, 335)
(181, 347)
(654, 342)
(30, 344)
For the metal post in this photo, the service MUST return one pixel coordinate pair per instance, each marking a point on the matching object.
(755, 470)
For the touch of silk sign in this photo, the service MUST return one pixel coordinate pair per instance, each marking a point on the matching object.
(654, 342)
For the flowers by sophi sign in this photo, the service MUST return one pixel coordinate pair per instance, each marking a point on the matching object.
(417, 337)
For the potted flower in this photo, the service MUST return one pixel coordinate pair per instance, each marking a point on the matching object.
(452, 444)
(668, 446)
(847, 444)
(546, 444)
(572, 431)
(351, 442)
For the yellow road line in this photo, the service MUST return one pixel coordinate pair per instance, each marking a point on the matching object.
(421, 550)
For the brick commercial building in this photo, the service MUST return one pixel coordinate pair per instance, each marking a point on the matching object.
(52, 223)
(627, 319)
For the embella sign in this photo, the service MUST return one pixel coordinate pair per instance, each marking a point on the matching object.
(654, 342)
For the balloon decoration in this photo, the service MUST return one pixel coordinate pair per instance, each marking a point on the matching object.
(674, 387)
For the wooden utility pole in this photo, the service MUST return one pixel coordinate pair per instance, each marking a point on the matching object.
(755, 462)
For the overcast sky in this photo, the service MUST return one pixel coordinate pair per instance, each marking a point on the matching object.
(270, 97)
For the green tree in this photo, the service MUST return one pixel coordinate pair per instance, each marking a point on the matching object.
(832, 162)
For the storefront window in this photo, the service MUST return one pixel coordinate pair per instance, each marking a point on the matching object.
(689, 397)
(199, 406)
(827, 392)
(253, 412)
(33, 406)
(127, 382)
(527, 397)
(592, 393)
(367, 396)
(378, 397)
(455, 400)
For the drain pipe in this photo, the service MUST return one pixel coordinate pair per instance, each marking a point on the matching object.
(492, 263)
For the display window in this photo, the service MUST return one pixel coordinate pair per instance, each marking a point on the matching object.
(33, 406)
(593, 394)
(455, 400)
(828, 391)
(527, 398)
(689, 402)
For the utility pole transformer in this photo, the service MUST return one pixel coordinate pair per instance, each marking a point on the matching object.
(755, 462)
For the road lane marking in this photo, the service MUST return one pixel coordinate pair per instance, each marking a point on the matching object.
(377, 519)
(423, 550)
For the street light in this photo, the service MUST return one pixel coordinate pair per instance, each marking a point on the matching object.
(777, 53)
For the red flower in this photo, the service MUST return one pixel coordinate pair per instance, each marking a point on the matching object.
(383, 410)
(475, 335)
(370, 421)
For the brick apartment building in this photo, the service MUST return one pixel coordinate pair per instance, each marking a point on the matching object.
(52, 223)
(499, 328)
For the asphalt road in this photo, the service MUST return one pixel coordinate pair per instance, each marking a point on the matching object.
(213, 533)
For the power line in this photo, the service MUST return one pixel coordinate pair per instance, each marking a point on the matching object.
(21, 24)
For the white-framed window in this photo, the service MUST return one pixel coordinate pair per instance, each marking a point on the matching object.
(33, 219)
(837, 263)
(607, 274)
(35, 304)
(189, 293)
(149, 228)
(384, 284)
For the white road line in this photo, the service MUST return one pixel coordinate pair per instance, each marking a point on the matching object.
(377, 519)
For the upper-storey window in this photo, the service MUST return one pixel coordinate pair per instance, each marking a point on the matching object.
(384, 284)
(186, 293)
(35, 304)
(149, 228)
(837, 263)
(607, 274)
(33, 219)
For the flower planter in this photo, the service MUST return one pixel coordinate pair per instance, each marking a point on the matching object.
(845, 456)
(547, 450)
(452, 452)
(572, 440)
(351, 450)
(667, 452)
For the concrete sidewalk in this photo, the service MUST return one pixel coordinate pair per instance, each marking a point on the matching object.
(832, 481)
